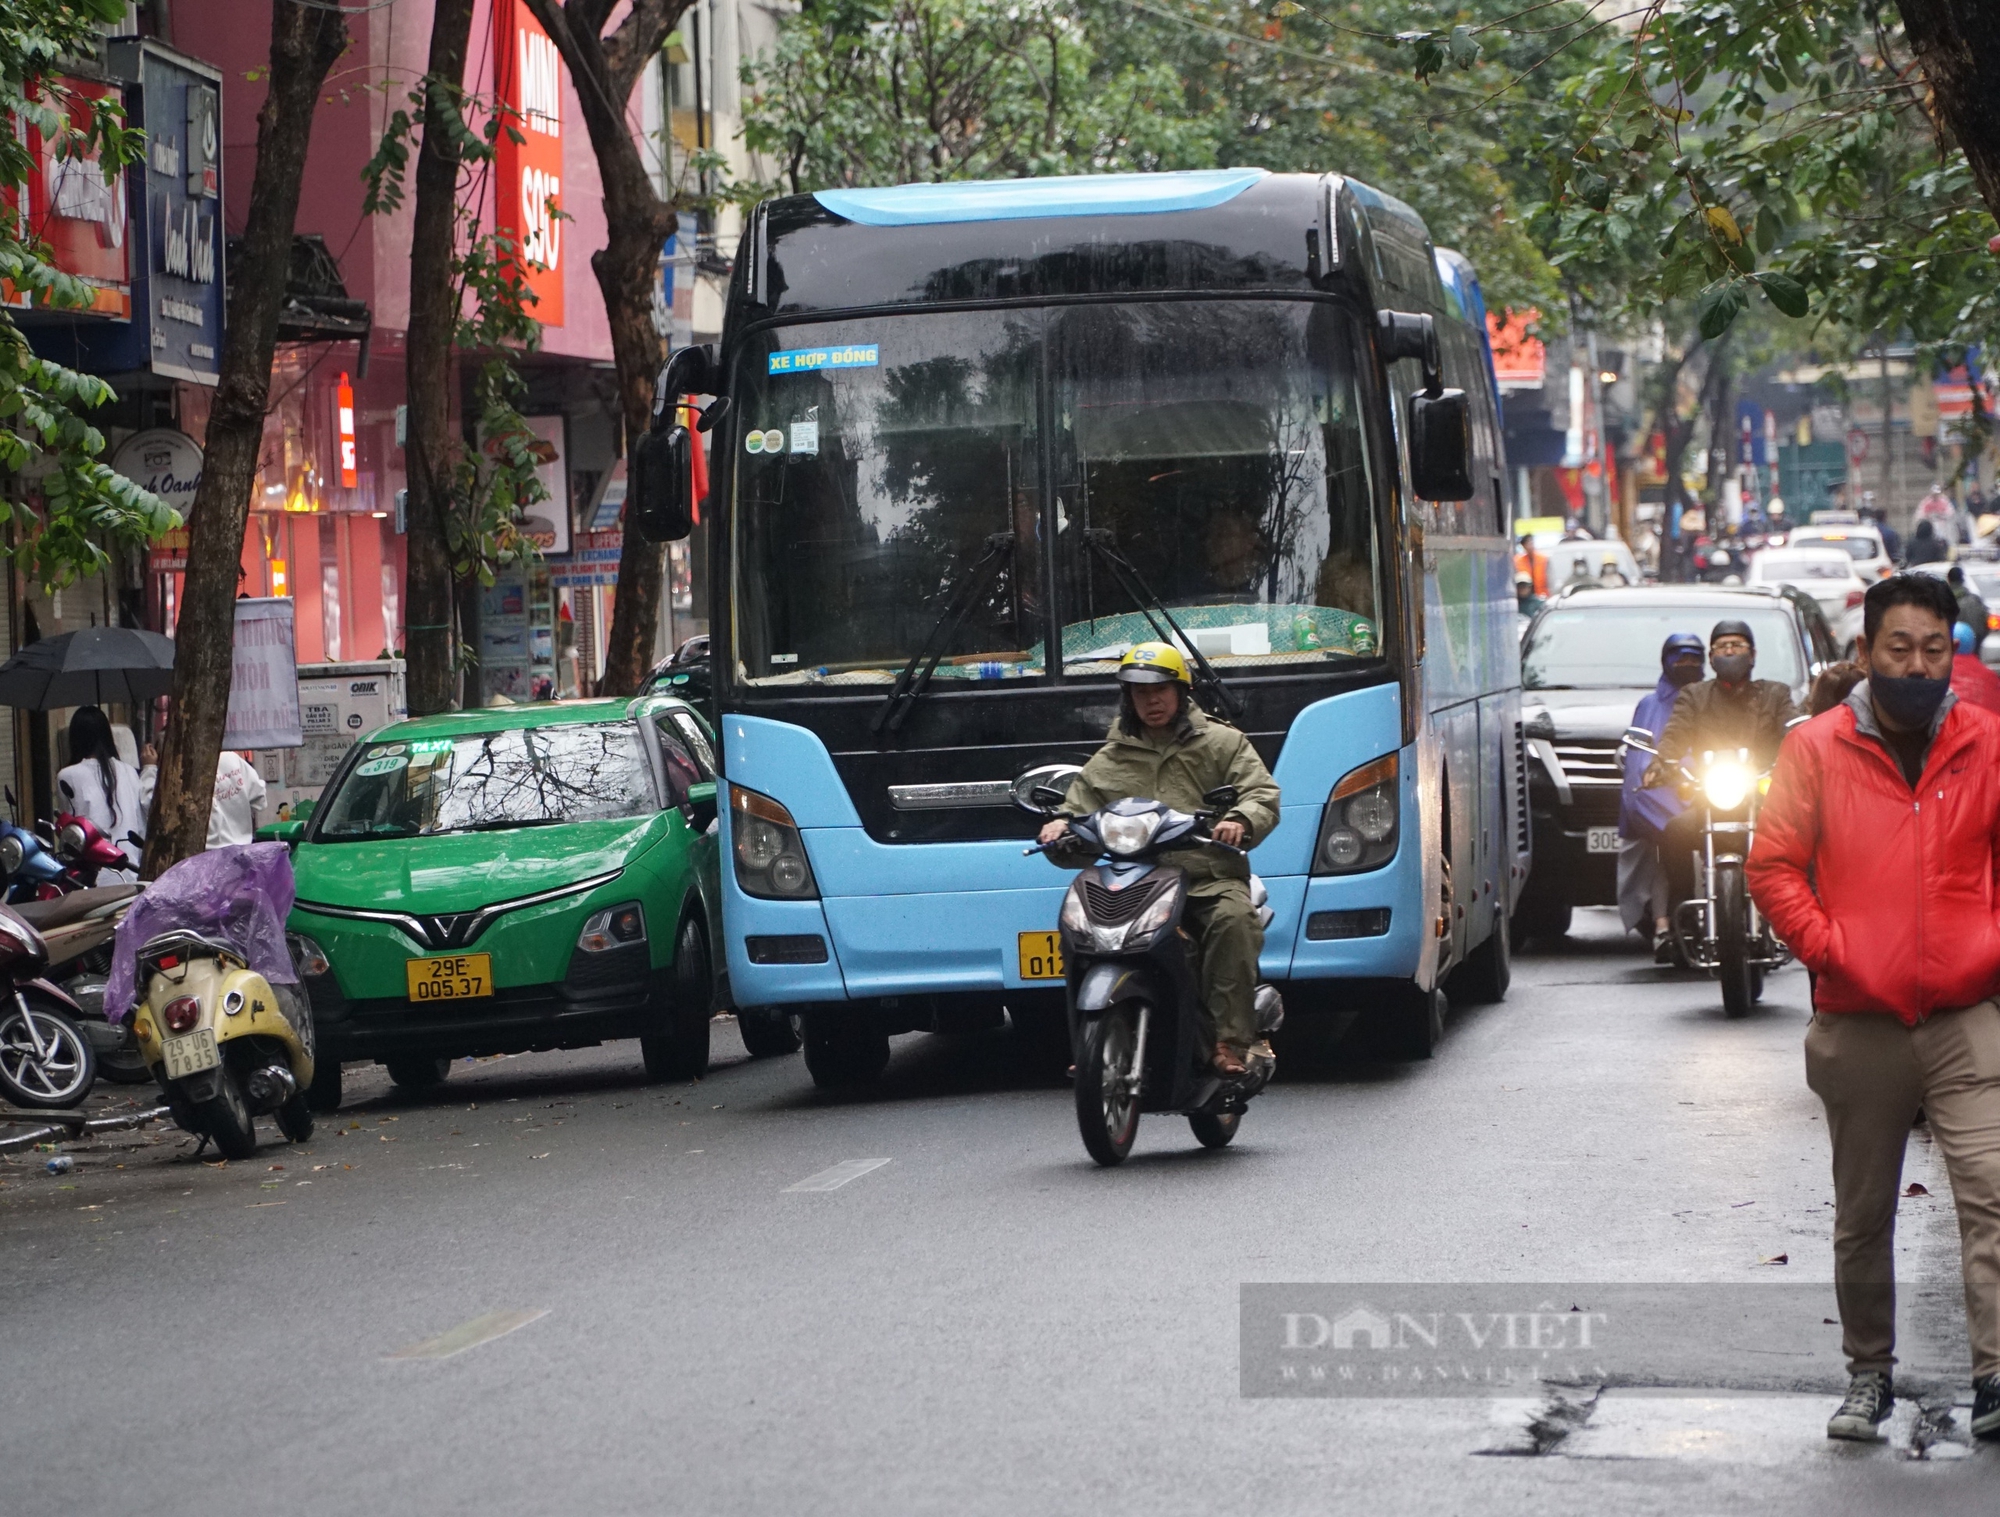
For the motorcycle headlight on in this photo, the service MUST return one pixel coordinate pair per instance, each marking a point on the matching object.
(1125, 835)
(1726, 785)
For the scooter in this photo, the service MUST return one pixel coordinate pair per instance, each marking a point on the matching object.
(226, 1045)
(83, 848)
(46, 1059)
(77, 930)
(30, 869)
(1720, 928)
(1136, 1022)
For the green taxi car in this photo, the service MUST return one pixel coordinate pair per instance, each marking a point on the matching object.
(512, 879)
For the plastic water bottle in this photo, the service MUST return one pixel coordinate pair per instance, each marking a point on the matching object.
(61, 1164)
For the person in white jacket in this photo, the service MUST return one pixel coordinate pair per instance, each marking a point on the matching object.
(239, 793)
(102, 788)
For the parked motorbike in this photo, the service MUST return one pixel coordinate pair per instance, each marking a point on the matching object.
(28, 865)
(77, 930)
(1720, 928)
(227, 1045)
(46, 1058)
(83, 849)
(1136, 1021)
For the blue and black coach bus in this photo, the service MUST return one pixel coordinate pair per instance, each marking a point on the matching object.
(971, 442)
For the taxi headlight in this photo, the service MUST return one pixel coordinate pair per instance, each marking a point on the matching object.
(1726, 785)
(1127, 834)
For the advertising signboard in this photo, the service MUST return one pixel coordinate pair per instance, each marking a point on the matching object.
(264, 681)
(528, 80)
(67, 204)
(179, 265)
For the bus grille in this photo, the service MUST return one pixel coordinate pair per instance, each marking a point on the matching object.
(1523, 826)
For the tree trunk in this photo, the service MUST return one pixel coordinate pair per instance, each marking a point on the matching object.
(305, 42)
(433, 316)
(1958, 44)
(605, 70)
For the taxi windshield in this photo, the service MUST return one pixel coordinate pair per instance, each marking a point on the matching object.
(491, 781)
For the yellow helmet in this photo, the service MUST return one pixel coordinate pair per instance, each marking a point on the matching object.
(1153, 664)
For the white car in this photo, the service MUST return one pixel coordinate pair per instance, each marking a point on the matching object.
(1827, 574)
(1862, 544)
(1983, 575)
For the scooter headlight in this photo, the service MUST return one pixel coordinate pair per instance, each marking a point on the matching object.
(1127, 834)
(1726, 785)
(11, 854)
(69, 843)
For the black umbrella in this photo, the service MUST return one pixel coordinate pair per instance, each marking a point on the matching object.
(92, 667)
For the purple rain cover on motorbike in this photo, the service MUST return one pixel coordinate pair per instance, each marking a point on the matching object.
(240, 895)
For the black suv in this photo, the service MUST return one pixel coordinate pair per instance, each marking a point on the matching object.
(1587, 659)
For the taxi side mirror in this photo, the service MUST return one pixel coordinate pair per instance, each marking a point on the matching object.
(699, 809)
(288, 833)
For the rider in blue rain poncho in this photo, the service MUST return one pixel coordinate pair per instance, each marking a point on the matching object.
(1642, 813)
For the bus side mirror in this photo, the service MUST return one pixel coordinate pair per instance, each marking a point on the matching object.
(660, 502)
(691, 371)
(1441, 445)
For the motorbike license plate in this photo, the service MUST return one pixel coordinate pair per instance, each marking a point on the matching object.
(191, 1054)
(462, 977)
(1041, 956)
(1601, 840)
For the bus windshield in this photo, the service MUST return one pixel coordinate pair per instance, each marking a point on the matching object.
(892, 471)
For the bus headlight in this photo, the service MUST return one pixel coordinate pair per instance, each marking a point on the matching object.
(1358, 830)
(769, 853)
(1726, 786)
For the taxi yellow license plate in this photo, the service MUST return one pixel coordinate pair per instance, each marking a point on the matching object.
(1041, 956)
(463, 977)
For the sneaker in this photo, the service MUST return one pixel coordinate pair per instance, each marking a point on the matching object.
(1870, 1399)
(1986, 1407)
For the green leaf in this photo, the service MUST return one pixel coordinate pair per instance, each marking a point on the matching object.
(1786, 293)
(1719, 306)
(1769, 229)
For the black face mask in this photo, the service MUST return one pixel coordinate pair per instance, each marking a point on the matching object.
(1910, 700)
(1685, 672)
(1732, 667)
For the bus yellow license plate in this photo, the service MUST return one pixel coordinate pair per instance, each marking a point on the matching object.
(1041, 956)
(463, 977)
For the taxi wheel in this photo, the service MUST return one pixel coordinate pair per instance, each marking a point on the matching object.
(323, 1095)
(414, 1076)
(682, 1053)
(769, 1032)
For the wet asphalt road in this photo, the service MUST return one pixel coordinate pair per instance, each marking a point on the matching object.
(968, 1315)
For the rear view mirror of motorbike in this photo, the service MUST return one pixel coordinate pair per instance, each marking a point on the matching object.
(1639, 740)
(1221, 798)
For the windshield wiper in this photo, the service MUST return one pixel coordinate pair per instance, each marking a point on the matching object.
(911, 684)
(505, 823)
(1207, 683)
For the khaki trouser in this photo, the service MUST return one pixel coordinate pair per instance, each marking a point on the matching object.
(1874, 1074)
(1225, 930)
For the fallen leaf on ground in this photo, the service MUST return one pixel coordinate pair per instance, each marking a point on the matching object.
(1777, 1259)
(537, 1156)
(1914, 1189)
(277, 1166)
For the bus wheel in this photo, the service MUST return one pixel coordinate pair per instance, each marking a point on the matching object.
(1488, 970)
(844, 1047)
(1410, 1024)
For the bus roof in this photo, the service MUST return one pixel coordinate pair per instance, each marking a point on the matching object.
(1200, 232)
(1017, 199)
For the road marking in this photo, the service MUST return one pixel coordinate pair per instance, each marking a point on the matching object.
(839, 1175)
(469, 1335)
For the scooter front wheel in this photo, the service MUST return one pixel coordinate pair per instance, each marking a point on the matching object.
(1107, 1085)
(46, 1062)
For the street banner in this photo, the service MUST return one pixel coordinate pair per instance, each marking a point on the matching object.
(264, 683)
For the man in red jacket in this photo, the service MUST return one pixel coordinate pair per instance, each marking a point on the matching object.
(1877, 859)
